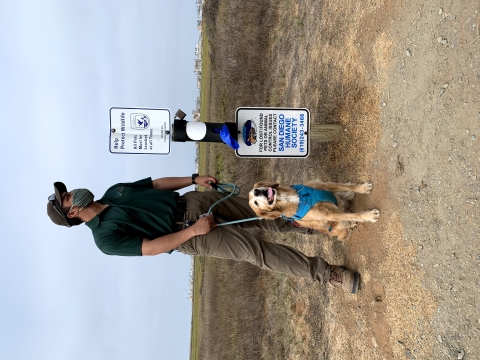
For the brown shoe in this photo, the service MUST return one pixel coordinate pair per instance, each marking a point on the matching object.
(342, 278)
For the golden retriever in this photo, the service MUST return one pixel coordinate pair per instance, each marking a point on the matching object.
(270, 201)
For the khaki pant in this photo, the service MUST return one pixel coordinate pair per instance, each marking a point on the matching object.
(233, 242)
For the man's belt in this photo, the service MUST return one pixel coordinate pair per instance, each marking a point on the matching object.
(180, 222)
(181, 205)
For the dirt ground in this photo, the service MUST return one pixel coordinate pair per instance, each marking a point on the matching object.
(426, 60)
(419, 62)
(403, 78)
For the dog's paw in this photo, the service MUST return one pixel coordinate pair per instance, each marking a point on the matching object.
(352, 225)
(372, 216)
(348, 195)
(366, 188)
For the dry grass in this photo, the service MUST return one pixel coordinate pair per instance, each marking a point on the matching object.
(409, 304)
(391, 315)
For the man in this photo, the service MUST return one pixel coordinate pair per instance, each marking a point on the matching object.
(149, 218)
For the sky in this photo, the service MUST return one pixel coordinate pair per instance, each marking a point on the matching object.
(64, 64)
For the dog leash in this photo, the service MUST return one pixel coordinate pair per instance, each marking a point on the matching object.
(235, 190)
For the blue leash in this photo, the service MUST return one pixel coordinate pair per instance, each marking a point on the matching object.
(235, 191)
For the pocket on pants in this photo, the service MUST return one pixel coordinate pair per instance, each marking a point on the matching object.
(186, 248)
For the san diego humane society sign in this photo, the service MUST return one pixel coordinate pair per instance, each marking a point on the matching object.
(140, 131)
(273, 132)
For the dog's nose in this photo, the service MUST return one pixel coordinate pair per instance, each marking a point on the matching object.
(256, 192)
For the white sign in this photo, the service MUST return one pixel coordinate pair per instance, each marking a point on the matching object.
(140, 131)
(273, 132)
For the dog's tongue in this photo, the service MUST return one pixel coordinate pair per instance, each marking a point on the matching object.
(270, 193)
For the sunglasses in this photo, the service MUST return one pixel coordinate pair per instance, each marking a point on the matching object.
(52, 198)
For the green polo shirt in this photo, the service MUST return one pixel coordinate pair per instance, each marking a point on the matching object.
(136, 211)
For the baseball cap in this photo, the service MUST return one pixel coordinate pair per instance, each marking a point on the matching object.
(54, 205)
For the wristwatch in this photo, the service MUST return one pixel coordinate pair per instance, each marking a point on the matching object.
(194, 176)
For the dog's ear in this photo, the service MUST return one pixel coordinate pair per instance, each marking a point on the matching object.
(260, 184)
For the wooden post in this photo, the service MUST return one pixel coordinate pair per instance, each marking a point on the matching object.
(324, 132)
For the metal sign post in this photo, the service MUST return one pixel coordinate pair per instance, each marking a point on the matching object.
(139, 131)
(184, 130)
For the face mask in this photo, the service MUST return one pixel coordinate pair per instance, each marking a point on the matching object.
(81, 198)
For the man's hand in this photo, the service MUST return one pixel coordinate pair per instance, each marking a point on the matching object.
(204, 180)
(171, 241)
(204, 225)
